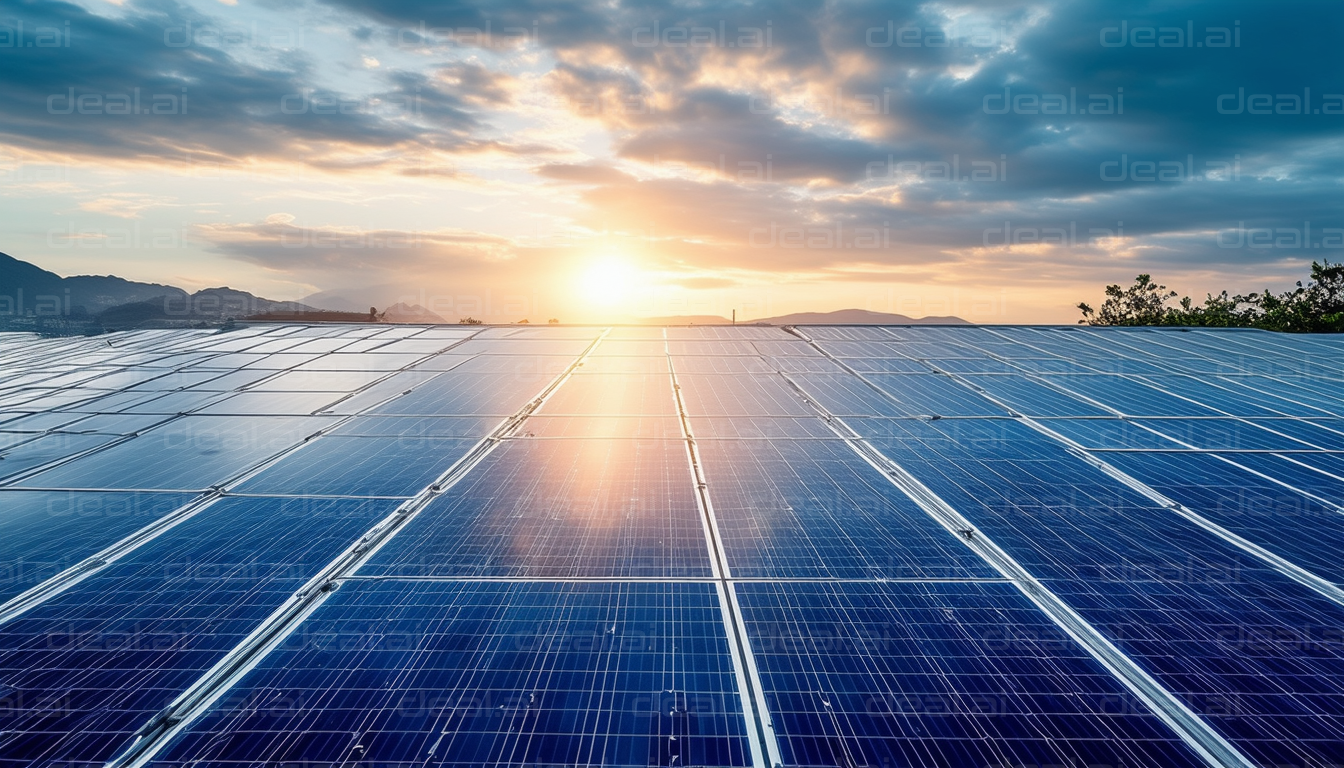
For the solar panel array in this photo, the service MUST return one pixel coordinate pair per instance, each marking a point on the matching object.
(732, 546)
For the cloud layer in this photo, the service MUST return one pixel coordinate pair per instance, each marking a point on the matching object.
(1034, 146)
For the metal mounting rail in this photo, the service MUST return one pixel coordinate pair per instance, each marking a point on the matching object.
(161, 729)
(1193, 730)
(760, 728)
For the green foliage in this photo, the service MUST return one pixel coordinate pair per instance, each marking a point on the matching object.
(1143, 303)
(1317, 307)
(469, 321)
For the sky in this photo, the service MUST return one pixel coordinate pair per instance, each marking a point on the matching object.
(600, 161)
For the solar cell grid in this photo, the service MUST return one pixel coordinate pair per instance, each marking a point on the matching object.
(1305, 531)
(96, 661)
(939, 674)
(190, 453)
(471, 674)
(601, 427)
(1227, 394)
(1129, 396)
(672, 572)
(1109, 434)
(466, 393)
(1033, 397)
(613, 395)
(1164, 591)
(45, 532)
(1289, 469)
(337, 465)
(560, 508)
(1224, 434)
(750, 395)
(814, 509)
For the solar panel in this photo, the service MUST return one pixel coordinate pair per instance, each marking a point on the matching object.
(375, 545)
(97, 661)
(939, 674)
(472, 674)
(560, 508)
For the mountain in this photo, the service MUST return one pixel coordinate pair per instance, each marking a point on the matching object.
(857, 317)
(401, 313)
(336, 301)
(204, 306)
(28, 291)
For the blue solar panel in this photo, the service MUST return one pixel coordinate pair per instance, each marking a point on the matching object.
(1291, 469)
(1110, 434)
(191, 453)
(751, 395)
(91, 665)
(613, 395)
(843, 394)
(418, 426)
(947, 674)
(476, 674)
(333, 465)
(45, 532)
(463, 393)
(1225, 435)
(1129, 396)
(812, 508)
(560, 508)
(1033, 397)
(47, 449)
(1184, 604)
(604, 427)
(1305, 391)
(724, 572)
(1326, 434)
(1228, 395)
(938, 395)
(1300, 529)
(760, 427)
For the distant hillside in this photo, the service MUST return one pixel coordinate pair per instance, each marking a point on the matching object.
(31, 294)
(401, 313)
(857, 317)
(204, 306)
(28, 289)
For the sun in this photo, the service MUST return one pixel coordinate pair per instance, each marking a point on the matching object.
(609, 281)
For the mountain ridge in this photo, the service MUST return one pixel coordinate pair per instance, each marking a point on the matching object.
(28, 291)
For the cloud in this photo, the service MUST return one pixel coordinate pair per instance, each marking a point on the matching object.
(278, 243)
(127, 87)
(593, 173)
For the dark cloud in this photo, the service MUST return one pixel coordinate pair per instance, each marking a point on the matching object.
(139, 85)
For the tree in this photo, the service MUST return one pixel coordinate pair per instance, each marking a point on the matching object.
(469, 321)
(1317, 307)
(1143, 303)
